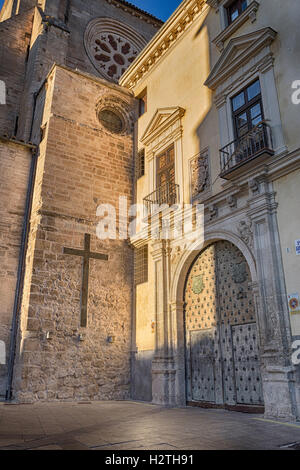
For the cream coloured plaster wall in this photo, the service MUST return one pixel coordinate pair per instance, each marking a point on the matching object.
(288, 197)
(145, 300)
(283, 17)
(177, 80)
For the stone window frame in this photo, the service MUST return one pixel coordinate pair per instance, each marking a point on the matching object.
(140, 164)
(158, 139)
(107, 125)
(270, 103)
(121, 107)
(143, 98)
(257, 62)
(141, 257)
(227, 30)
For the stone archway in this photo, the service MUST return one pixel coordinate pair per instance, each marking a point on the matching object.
(180, 273)
(177, 287)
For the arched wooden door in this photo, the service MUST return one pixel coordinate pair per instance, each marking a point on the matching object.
(222, 359)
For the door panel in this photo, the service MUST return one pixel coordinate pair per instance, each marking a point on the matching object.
(203, 366)
(246, 364)
(222, 354)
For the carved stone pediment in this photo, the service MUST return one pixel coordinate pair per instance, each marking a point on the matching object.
(239, 51)
(162, 120)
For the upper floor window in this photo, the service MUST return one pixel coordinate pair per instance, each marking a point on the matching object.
(141, 265)
(247, 109)
(165, 167)
(142, 102)
(140, 164)
(235, 9)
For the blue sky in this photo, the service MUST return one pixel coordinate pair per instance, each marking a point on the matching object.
(160, 8)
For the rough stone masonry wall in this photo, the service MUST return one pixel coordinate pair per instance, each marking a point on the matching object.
(14, 170)
(80, 166)
(82, 12)
(14, 40)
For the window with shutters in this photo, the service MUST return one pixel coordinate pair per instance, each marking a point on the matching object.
(142, 102)
(140, 164)
(141, 265)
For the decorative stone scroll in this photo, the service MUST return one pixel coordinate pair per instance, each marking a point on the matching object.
(245, 231)
(112, 46)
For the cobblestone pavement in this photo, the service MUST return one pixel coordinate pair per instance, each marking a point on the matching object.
(137, 426)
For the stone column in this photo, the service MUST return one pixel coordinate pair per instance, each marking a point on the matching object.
(271, 306)
(177, 338)
(163, 364)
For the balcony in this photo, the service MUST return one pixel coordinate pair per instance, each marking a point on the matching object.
(168, 194)
(236, 156)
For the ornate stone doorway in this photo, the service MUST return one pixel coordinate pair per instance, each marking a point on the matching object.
(222, 357)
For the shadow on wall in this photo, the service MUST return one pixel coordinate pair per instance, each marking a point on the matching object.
(203, 128)
(142, 376)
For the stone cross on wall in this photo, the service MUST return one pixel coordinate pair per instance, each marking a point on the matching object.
(86, 254)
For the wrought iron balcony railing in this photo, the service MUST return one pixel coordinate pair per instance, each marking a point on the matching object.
(255, 143)
(166, 194)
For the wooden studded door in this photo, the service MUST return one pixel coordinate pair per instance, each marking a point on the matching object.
(222, 359)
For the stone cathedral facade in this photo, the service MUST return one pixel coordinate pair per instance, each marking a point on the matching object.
(104, 103)
(66, 296)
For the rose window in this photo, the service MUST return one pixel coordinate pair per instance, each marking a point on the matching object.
(112, 46)
(114, 54)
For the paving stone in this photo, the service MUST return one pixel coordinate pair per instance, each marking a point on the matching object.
(135, 426)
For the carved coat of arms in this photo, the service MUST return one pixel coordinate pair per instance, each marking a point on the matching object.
(198, 284)
(199, 174)
(239, 273)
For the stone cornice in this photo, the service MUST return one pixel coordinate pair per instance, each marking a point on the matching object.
(177, 24)
(284, 164)
(250, 12)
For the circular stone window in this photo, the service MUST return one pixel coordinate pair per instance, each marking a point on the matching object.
(111, 120)
(112, 46)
